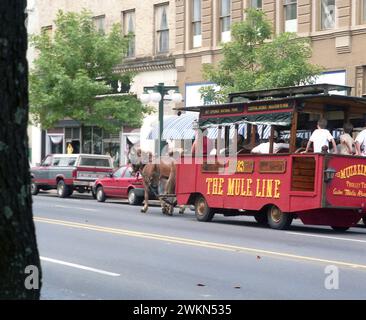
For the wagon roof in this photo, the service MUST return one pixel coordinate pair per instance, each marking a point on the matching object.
(354, 104)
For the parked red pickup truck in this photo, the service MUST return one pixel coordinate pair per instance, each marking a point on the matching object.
(69, 172)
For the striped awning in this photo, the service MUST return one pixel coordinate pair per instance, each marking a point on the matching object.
(175, 127)
(181, 128)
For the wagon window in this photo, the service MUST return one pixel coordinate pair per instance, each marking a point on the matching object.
(303, 174)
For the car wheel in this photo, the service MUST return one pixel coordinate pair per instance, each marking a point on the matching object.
(133, 199)
(278, 219)
(364, 220)
(203, 211)
(34, 189)
(100, 194)
(63, 190)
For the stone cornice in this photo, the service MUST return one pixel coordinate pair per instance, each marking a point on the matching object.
(146, 64)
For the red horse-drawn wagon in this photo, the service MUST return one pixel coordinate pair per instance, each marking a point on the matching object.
(319, 188)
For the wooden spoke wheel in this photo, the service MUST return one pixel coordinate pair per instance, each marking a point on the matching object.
(203, 211)
(278, 219)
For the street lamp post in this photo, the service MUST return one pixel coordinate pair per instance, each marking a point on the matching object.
(157, 94)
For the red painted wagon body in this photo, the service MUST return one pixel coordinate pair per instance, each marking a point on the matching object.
(318, 188)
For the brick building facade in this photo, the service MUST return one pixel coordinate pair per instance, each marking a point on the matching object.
(337, 29)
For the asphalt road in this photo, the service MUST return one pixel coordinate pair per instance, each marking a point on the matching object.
(110, 250)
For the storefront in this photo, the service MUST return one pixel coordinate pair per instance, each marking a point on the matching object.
(71, 137)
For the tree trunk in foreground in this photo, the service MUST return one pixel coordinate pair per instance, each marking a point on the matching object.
(20, 271)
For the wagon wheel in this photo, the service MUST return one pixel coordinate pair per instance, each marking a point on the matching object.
(278, 219)
(203, 211)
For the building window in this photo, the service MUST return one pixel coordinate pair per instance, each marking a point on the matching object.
(225, 20)
(72, 140)
(99, 23)
(56, 142)
(290, 15)
(256, 4)
(162, 28)
(196, 23)
(327, 14)
(129, 29)
(99, 141)
(363, 12)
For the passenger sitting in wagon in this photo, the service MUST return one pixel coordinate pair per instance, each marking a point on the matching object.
(265, 146)
(320, 138)
(240, 144)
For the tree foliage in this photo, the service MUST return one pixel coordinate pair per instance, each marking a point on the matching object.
(257, 59)
(73, 67)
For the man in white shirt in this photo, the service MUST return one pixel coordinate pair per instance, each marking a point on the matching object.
(264, 147)
(360, 143)
(320, 138)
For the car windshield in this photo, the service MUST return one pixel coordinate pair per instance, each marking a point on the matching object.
(47, 162)
(118, 173)
(128, 173)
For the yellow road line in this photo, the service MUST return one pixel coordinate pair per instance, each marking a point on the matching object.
(198, 243)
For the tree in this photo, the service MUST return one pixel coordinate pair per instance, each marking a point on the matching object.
(18, 247)
(257, 59)
(74, 66)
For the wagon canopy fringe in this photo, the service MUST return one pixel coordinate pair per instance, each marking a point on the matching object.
(276, 118)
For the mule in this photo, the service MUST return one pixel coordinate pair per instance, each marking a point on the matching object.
(158, 178)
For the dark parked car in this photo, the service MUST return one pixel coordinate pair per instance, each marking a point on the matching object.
(120, 184)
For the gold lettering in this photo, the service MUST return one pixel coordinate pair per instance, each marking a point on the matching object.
(242, 190)
(230, 187)
(220, 190)
(277, 189)
(208, 181)
(249, 186)
(258, 193)
(269, 188)
(237, 187)
(240, 166)
(214, 185)
(355, 170)
(337, 192)
(263, 188)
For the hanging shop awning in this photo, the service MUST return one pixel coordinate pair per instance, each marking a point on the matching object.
(175, 127)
